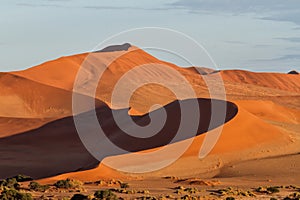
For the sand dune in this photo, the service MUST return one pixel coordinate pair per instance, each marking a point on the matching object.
(119, 63)
(23, 98)
(246, 134)
(288, 82)
(114, 64)
(59, 73)
(59, 145)
(11, 126)
(269, 110)
(26, 104)
(282, 167)
(36, 107)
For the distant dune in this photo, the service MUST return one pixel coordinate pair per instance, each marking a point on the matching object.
(38, 136)
(293, 72)
(269, 80)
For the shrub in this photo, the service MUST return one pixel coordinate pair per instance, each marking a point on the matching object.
(293, 196)
(290, 198)
(68, 184)
(230, 198)
(273, 189)
(22, 178)
(261, 190)
(124, 185)
(144, 192)
(79, 197)
(146, 198)
(105, 194)
(191, 190)
(12, 194)
(35, 186)
(224, 191)
(10, 183)
(188, 197)
(268, 190)
(179, 188)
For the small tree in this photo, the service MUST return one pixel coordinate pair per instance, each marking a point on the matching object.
(105, 194)
(68, 184)
(35, 186)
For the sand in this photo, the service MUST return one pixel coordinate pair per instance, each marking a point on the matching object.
(38, 136)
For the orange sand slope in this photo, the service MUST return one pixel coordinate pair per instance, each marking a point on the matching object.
(37, 103)
(59, 145)
(23, 98)
(270, 80)
(26, 104)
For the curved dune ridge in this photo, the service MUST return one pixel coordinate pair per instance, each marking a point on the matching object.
(59, 145)
(38, 136)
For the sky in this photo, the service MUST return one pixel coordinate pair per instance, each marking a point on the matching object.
(256, 35)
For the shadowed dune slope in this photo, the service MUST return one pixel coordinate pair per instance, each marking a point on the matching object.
(244, 137)
(11, 126)
(56, 148)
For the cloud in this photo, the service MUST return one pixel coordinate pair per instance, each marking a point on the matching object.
(289, 15)
(50, 4)
(125, 8)
(112, 7)
(290, 39)
(288, 57)
(235, 42)
(297, 48)
(39, 5)
(238, 6)
(262, 45)
(276, 10)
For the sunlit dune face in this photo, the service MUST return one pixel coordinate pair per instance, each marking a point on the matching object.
(150, 97)
(262, 117)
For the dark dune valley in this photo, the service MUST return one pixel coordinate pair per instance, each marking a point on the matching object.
(258, 125)
(57, 143)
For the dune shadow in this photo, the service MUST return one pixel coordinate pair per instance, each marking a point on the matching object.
(56, 147)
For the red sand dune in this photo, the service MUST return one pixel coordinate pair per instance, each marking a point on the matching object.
(58, 143)
(288, 82)
(266, 124)
(24, 98)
